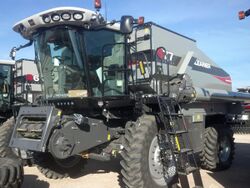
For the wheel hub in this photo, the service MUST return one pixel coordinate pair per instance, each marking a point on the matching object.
(160, 174)
(224, 149)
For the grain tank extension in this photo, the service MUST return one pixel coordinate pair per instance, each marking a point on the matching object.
(124, 88)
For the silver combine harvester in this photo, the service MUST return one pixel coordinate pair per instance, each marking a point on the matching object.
(124, 87)
(19, 83)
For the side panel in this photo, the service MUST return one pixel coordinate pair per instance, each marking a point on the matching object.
(195, 131)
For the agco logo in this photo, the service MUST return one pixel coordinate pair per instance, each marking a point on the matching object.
(202, 64)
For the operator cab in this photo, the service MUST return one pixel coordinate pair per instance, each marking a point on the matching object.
(70, 61)
(78, 54)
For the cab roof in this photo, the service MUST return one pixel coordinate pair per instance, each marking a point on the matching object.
(72, 16)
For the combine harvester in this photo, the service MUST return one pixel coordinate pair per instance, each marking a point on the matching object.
(6, 90)
(13, 93)
(243, 127)
(19, 83)
(124, 87)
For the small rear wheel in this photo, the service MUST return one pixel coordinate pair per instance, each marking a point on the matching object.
(218, 148)
(226, 148)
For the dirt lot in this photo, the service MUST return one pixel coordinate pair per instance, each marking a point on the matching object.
(105, 175)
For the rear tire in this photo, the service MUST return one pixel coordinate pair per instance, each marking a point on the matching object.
(136, 164)
(57, 169)
(11, 173)
(218, 148)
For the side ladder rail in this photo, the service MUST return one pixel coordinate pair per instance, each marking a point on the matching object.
(170, 111)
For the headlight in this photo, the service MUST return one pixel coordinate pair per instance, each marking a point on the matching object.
(78, 16)
(66, 16)
(46, 19)
(55, 17)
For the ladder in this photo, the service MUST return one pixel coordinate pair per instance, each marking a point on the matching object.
(176, 130)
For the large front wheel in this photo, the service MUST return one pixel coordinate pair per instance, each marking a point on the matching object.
(142, 165)
(54, 168)
(6, 130)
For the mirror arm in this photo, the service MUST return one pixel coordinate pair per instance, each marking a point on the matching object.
(15, 49)
(25, 45)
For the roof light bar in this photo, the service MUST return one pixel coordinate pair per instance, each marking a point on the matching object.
(57, 16)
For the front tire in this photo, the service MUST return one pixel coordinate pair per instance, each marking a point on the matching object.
(218, 148)
(141, 166)
(6, 130)
(11, 173)
(57, 169)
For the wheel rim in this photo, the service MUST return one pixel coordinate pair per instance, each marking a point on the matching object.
(224, 149)
(156, 167)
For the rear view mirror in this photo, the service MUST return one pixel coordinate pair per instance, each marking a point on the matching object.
(5, 89)
(13, 53)
(126, 26)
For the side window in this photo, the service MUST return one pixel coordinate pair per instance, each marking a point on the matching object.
(113, 74)
(105, 57)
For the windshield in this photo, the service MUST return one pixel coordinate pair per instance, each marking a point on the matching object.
(70, 61)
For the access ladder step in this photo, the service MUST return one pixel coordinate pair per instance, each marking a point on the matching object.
(184, 150)
(177, 132)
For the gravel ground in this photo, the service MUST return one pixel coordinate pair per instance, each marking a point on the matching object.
(106, 175)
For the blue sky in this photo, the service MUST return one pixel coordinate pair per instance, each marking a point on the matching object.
(213, 23)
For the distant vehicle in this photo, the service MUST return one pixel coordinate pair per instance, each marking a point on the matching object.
(19, 83)
(6, 89)
(243, 127)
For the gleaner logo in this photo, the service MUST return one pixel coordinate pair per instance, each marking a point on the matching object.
(202, 64)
